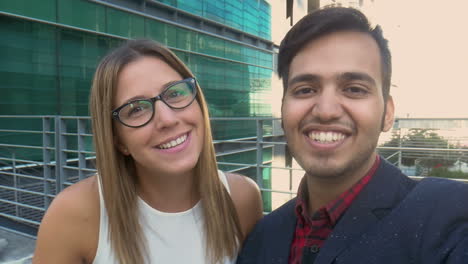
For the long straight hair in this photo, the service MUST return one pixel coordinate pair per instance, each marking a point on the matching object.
(117, 172)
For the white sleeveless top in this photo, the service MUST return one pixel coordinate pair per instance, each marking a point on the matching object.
(171, 237)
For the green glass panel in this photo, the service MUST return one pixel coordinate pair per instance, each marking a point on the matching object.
(233, 14)
(191, 6)
(211, 45)
(125, 24)
(82, 14)
(169, 2)
(266, 183)
(161, 32)
(79, 54)
(187, 40)
(214, 10)
(28, 68)
(46, 10)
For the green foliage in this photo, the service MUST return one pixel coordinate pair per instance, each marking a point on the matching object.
(421, 138)
(445, 173)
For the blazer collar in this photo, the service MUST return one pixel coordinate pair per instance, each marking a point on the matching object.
(282, 233)
(376, 200)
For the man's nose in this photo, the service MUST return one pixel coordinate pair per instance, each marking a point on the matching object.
(328, 105)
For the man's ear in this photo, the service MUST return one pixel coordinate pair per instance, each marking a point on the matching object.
(389, 115)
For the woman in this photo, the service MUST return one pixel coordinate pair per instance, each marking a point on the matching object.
(158, 196)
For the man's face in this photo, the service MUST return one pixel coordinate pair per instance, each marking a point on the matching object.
(333, 107)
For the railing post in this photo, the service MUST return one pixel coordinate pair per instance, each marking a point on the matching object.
(15, 182)
(60, 155)
(399, 146)
(81, 127)
(46, 158)
(259, 144)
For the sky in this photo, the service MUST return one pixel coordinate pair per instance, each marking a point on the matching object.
(429, 44)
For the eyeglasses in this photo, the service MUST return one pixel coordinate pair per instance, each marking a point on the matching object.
(138, 113)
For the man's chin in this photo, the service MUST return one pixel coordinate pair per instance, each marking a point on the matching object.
(326, 172)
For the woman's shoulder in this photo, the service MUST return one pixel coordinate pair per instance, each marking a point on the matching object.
(70, 227)
(242, 185)
(247, 199)
(77, 201)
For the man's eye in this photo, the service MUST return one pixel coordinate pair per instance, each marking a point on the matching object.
(303, 91)
(356, 91)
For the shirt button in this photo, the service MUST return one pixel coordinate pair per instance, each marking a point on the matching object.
(314, 249)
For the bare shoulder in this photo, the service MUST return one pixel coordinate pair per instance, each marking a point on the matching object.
(69, 230)
(247, 200)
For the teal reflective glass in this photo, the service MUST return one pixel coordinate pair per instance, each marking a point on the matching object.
(138, 113)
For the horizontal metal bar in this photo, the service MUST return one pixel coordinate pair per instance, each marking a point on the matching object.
(20, 190)
(76, 134)
(433, 119)
(22, 131)
(78, 169)
(244, 118)
(20, 219)
(252, 142)
(231, 152)
(79, 151)
(25, 116)
(277, 191)
(22, 205)
(18, 233)
(424, 149)
(20, 146)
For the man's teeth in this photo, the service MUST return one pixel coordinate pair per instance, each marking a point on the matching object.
(326, 137)
(173, 143)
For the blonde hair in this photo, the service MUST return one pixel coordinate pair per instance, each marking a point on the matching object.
(117, 172)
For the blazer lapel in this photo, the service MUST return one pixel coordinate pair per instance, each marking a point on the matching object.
(374, 202)
(282, 236)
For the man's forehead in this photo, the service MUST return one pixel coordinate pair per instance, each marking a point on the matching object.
(337, 53)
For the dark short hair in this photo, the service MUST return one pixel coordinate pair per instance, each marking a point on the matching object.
(323, 22)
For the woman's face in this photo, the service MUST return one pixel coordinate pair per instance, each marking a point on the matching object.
(172, 141)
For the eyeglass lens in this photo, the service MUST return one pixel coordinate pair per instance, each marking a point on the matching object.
(139, 112)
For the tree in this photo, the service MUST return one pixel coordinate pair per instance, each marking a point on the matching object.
(421, 138)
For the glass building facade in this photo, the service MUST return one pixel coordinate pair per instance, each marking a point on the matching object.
(49, 50)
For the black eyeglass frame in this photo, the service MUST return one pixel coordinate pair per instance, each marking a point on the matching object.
(190, 81)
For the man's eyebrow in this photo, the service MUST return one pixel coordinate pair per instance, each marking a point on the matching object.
(356, 76)
(304, 78)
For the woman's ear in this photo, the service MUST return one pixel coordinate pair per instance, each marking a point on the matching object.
(121, 147)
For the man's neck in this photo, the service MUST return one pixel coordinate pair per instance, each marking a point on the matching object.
(322, 191)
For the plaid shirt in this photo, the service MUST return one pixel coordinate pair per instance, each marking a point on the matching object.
(311, 232)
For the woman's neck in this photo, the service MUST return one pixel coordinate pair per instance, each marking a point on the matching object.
(168, 193)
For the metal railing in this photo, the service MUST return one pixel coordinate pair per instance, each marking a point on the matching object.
(42, 155)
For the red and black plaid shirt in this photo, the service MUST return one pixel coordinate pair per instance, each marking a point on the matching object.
(311, 232)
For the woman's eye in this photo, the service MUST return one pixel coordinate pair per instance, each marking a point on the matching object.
(134, 111)
(174, 94)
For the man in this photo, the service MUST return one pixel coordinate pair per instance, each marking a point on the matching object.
(352, 205)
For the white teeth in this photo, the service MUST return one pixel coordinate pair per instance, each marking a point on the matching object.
(173, 143)
(326, 137)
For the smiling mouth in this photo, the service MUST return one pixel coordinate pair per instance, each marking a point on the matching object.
(173, 143)
(326, 136)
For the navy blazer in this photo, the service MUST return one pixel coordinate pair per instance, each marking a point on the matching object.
(394, 220)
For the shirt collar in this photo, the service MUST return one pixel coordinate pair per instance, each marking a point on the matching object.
(335, 208)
